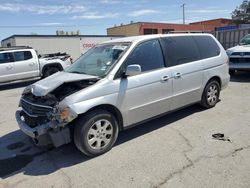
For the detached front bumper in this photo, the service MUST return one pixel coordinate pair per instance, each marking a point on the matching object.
(31, 132)
(44, 134)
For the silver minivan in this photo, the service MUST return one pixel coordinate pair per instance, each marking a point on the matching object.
(122, 83)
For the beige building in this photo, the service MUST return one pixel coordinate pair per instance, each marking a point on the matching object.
(132, 29)
(75, 45)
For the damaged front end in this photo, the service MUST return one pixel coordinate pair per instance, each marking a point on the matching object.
(43, 118)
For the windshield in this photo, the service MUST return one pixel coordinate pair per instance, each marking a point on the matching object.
(245, 40)
(99, 60)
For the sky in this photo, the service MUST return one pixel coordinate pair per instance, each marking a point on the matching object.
(94, 17)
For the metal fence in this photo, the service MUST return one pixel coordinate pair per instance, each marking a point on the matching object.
(230, 38)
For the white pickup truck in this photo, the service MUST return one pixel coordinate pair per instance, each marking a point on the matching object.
(239, 56)
(20, 63)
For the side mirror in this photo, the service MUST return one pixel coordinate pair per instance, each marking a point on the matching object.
(133, 70)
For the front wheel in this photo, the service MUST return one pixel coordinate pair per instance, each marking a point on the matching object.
(211, 94)
(96, 132)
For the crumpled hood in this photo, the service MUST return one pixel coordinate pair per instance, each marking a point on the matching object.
(239, 48)
(45, 86)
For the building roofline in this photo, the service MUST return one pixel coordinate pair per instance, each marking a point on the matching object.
(61, 36)
(144, 23)
(212, 20)
(134, 23)
(161, 23)
(168, 23)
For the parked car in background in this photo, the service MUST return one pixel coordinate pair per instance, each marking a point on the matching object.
(239, 56)
(122, 83)
(19, 63)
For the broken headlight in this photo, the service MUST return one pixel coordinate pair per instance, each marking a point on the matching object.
(27, 90)
(64, 115)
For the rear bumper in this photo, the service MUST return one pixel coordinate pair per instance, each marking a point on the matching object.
(239, 66)
(225, 81)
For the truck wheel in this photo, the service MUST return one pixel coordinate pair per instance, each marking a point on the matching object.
(96, 132)
(49, 71)
(211, 94)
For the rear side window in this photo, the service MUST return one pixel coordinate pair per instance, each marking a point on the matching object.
(6, 57)
(180, 50)
(207, 46)
(22, 55)
(148, 55)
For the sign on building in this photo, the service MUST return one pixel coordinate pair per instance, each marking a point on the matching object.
(90, 42)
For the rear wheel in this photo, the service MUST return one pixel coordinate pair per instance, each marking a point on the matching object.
(211, 94)
(49, 71)
(96, 132)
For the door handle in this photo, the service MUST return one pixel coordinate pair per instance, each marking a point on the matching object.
(177, 75)
(165, 78)
(31, 64)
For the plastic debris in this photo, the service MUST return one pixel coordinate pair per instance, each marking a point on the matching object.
(221, 136)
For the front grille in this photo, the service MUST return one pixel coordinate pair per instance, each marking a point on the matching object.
(34, 121)
(240, 53)
(34, 110)
(240, 59)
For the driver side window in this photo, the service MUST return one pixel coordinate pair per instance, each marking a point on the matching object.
(6, 57)
(148, 55)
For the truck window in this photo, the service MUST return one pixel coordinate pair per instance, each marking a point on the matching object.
(148, 55)
(6, 57)
(22, 55)
(207, 46)
(180, 50)
(245, 40)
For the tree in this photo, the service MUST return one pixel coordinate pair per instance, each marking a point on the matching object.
(241, 14)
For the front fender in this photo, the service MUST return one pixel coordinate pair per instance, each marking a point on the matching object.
(84, 106)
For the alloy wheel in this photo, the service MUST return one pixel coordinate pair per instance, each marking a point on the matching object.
(212, 94)
(100, 134)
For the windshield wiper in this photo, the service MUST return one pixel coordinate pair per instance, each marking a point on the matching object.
(77, 72)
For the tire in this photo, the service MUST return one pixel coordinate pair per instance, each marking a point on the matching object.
(211, 94)
(231, 72)
(49, 71)
(95, 132)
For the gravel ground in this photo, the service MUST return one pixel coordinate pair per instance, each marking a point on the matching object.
(176, 150)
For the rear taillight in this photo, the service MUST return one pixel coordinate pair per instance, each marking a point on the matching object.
(227, 62)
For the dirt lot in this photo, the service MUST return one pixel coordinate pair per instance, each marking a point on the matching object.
(176, 150)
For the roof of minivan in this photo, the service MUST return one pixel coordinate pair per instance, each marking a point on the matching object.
(145, 37)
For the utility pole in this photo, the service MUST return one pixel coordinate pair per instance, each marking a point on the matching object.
(183, 12)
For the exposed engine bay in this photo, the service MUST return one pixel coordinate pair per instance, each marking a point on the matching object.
(41, 113)
(39, 107)
(40, 101)
(59, 93)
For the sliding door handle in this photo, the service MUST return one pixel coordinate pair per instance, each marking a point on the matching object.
(177, 75)
(165, 78)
